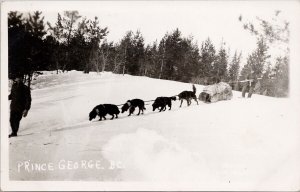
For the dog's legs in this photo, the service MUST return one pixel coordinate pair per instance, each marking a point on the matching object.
(139, 111)
(143, 109)
(188, 103)
(170, 106)
(100, 118)
(161, 108)
(104, 117)
(131, 110)
(181, 103)
(116, 116)
(195, 98)
(112, 117)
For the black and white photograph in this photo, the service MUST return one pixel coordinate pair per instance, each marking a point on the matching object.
(150, 95)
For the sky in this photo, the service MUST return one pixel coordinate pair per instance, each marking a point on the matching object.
(217, 20)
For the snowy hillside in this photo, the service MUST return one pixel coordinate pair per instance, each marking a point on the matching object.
(231, 145)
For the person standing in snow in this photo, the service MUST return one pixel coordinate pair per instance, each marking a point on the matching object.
(249, 85)
(20, 97)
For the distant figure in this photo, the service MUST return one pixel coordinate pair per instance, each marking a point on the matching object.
(20, 97)
(248, 86)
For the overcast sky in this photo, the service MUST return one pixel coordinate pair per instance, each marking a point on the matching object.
(217, 20)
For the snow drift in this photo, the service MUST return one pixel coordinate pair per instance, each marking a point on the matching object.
(238, 144)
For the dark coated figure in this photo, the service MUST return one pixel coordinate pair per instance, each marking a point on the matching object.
(20, 97)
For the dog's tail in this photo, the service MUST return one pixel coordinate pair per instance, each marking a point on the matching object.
(194, 89)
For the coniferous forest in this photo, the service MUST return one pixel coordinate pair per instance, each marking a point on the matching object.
(76, 43)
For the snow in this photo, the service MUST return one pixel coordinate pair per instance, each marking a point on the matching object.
(239, 144)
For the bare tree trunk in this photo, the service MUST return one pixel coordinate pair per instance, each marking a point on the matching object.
(56, 67)
(123, 69)
(66, 62)
(161, 68)
(124, 59)
(162, 63)
(103, 63)
(96, 66)
(115, 64)
(68, 44)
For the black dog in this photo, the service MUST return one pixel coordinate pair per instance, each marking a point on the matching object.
(162, 102)
(188, 96)
(132, 104)
(102, 110)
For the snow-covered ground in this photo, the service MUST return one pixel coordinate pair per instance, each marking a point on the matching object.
(234, 145)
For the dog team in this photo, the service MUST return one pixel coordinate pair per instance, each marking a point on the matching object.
(160, 103)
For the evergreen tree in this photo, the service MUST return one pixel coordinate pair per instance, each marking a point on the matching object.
(105, 53)
(162, 57)
(69, 28)
(190, 60)
(94, 36)
(58, 53)
(233, 72)
(173, 55)
(78, 48)
(16, 39)
(207, 59)
(151, 64)
(281, 75)
(220, 64)
(138, 54)
(35, 30)
(50, 45)
(256, 61)
(177, 58)
(125, 50)
(26, 54)
(273, 31)
(132, 52)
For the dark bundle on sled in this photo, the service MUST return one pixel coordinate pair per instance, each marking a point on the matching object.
(132, 104)
(205, 97)
(216, 92)
(104, 109)
(163, 102)
(188, 96)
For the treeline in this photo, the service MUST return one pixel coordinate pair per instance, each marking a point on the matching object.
(77, 43)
